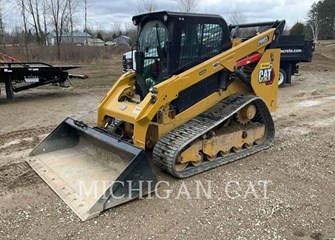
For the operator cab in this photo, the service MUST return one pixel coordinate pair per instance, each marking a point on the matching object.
(169, 43)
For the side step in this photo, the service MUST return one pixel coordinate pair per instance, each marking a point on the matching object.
(90, 170)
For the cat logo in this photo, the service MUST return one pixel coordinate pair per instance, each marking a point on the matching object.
(266, 74)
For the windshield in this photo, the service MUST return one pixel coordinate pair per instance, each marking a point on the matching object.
(153, 41)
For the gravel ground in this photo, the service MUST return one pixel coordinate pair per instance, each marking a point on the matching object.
(285, 192)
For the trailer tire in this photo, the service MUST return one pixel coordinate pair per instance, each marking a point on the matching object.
(282, 78)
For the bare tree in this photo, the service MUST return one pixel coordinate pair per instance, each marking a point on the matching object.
(237, 17)
(313, 21)
(2, 29)
(59, 16)
(73, 4)
(130, 31)
(117, 29)
(188, 5)
(38, 22)
(21, 4)
(314, 25)
(45, 16)
(33, 9)
(145, 6)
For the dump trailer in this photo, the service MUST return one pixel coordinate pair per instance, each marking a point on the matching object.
(294, 49)
(197, 100)
(19, 76)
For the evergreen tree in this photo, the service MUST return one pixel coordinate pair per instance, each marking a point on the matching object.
(99, 35)
(297, 29)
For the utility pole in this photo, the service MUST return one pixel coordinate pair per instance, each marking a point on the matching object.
(23, 12)
(2, 30)
(71, 19)
(86, 20)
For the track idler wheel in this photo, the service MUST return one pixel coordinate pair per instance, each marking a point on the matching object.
(246, 114)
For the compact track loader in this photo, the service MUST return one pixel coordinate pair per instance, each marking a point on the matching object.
(200, 97)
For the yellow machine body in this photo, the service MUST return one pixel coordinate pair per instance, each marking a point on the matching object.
(94, 169)
(139, 115)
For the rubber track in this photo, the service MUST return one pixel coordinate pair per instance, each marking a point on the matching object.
(170, 145)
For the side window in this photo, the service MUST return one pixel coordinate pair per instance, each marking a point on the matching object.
(189, 43)
(198, 42)
(212, 39)
(152, 42)
(154, 35)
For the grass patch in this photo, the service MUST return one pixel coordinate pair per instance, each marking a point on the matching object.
(326, 42)
(99, 74)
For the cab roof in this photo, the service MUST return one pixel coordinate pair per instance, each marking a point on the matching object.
(160, 15)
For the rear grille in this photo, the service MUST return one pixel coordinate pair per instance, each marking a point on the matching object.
(124, 63)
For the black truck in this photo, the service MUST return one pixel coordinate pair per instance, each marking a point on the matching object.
(294, 50)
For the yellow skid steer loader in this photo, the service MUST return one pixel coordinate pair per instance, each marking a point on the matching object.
(200, 97)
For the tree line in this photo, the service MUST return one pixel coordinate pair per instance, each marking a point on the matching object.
(40, 17)
(320, 22)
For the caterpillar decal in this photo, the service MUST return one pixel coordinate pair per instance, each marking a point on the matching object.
(266, 74)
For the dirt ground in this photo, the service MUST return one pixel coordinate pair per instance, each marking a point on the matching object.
(300, 170)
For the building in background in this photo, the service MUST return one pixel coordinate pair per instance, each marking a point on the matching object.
(94, 42)
(79, 38)
(122, 40)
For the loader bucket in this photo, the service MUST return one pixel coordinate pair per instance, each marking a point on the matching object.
(91, 170)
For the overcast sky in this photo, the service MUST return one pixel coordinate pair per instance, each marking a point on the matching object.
(103, 13)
